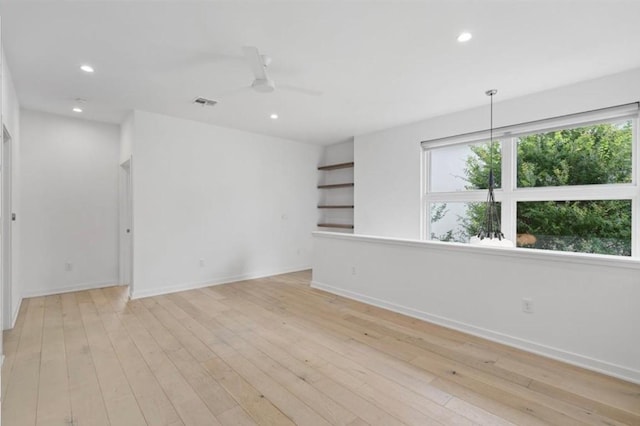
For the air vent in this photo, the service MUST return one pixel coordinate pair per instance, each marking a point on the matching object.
(204, 102)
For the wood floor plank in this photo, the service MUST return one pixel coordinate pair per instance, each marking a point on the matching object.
(54, 405)
(286, 402)
(404, 403)
(296, 385)
(11, 339)
(476, 414)
(489, 404)
(330, 388)
(236, 416)
(607, 397)
(154, 343)
(87, 403)
(273, 351)
(20, 404)
(249, 398)
(409, 400)
(120, 402)
(154, 403)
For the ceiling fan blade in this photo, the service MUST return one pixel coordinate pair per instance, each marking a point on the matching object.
(256, 62)
(310, 92)
(232, 92)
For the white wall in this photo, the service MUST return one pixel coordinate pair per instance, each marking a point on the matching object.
(126, 138)
(11, 120)
(586, 308)
(388, 172)
(69, 206)
(243, 203)
(338, 153)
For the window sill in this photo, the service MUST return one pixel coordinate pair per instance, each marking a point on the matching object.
(510, 252)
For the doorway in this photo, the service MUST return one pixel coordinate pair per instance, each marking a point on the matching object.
(126, 226)
(5, 230)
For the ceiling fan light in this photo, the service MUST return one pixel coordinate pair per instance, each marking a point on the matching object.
(263, 85)
(464, 37)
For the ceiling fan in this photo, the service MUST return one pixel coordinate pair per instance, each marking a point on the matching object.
(262, 83)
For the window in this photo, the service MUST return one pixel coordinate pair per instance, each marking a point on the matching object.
(564, 184)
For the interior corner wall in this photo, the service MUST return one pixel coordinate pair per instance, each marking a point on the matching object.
(126, 137)
(69, 193)
(338, 153)
(11, 120)
(388, 188)
(214, 205)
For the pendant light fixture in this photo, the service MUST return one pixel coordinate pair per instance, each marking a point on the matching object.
(489, 233)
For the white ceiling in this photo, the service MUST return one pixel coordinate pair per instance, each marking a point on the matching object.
(378, 64)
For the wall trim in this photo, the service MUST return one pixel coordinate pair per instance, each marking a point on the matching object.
(526, 345)
(506, 252)
(70, 288)
(138, 294)
(14, 316)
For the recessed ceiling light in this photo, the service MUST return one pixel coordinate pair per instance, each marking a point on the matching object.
(87, 68)
(274, 116)
(464, 37)
(76, 109)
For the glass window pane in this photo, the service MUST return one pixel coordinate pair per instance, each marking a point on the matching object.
(456, 221)
(464, 167)
(601, 226)
(598, 154)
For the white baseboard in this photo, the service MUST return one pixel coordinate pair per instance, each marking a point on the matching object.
(16, 311)
(599, 366)
(139, 294)
(69, 289)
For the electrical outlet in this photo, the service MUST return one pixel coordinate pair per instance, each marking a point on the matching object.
(201, 263)
(299, 252)
(68, 266)
(353, 270)
(527, 306)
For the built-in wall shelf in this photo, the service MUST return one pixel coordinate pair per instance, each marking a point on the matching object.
(336, 166)
(336, 206)
(336, 185)
(335, 225)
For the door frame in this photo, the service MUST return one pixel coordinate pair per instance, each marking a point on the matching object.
(6, 220)
(126, 223)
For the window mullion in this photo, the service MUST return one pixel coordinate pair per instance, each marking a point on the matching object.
(507, 202)
(635, 227)
(461, 196)
(425, 221)
(571, 193)
(635, 204)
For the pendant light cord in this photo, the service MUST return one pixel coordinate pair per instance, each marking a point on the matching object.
(492, 219)
(491, 143)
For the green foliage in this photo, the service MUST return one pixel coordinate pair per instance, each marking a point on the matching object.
(475, 216)
(478, 166)
(438, 211)
(602, 226)
(599, 154)
(582, 156)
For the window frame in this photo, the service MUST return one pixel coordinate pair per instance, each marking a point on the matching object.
(509, 194)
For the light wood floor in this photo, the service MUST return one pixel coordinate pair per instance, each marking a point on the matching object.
(275, 352)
